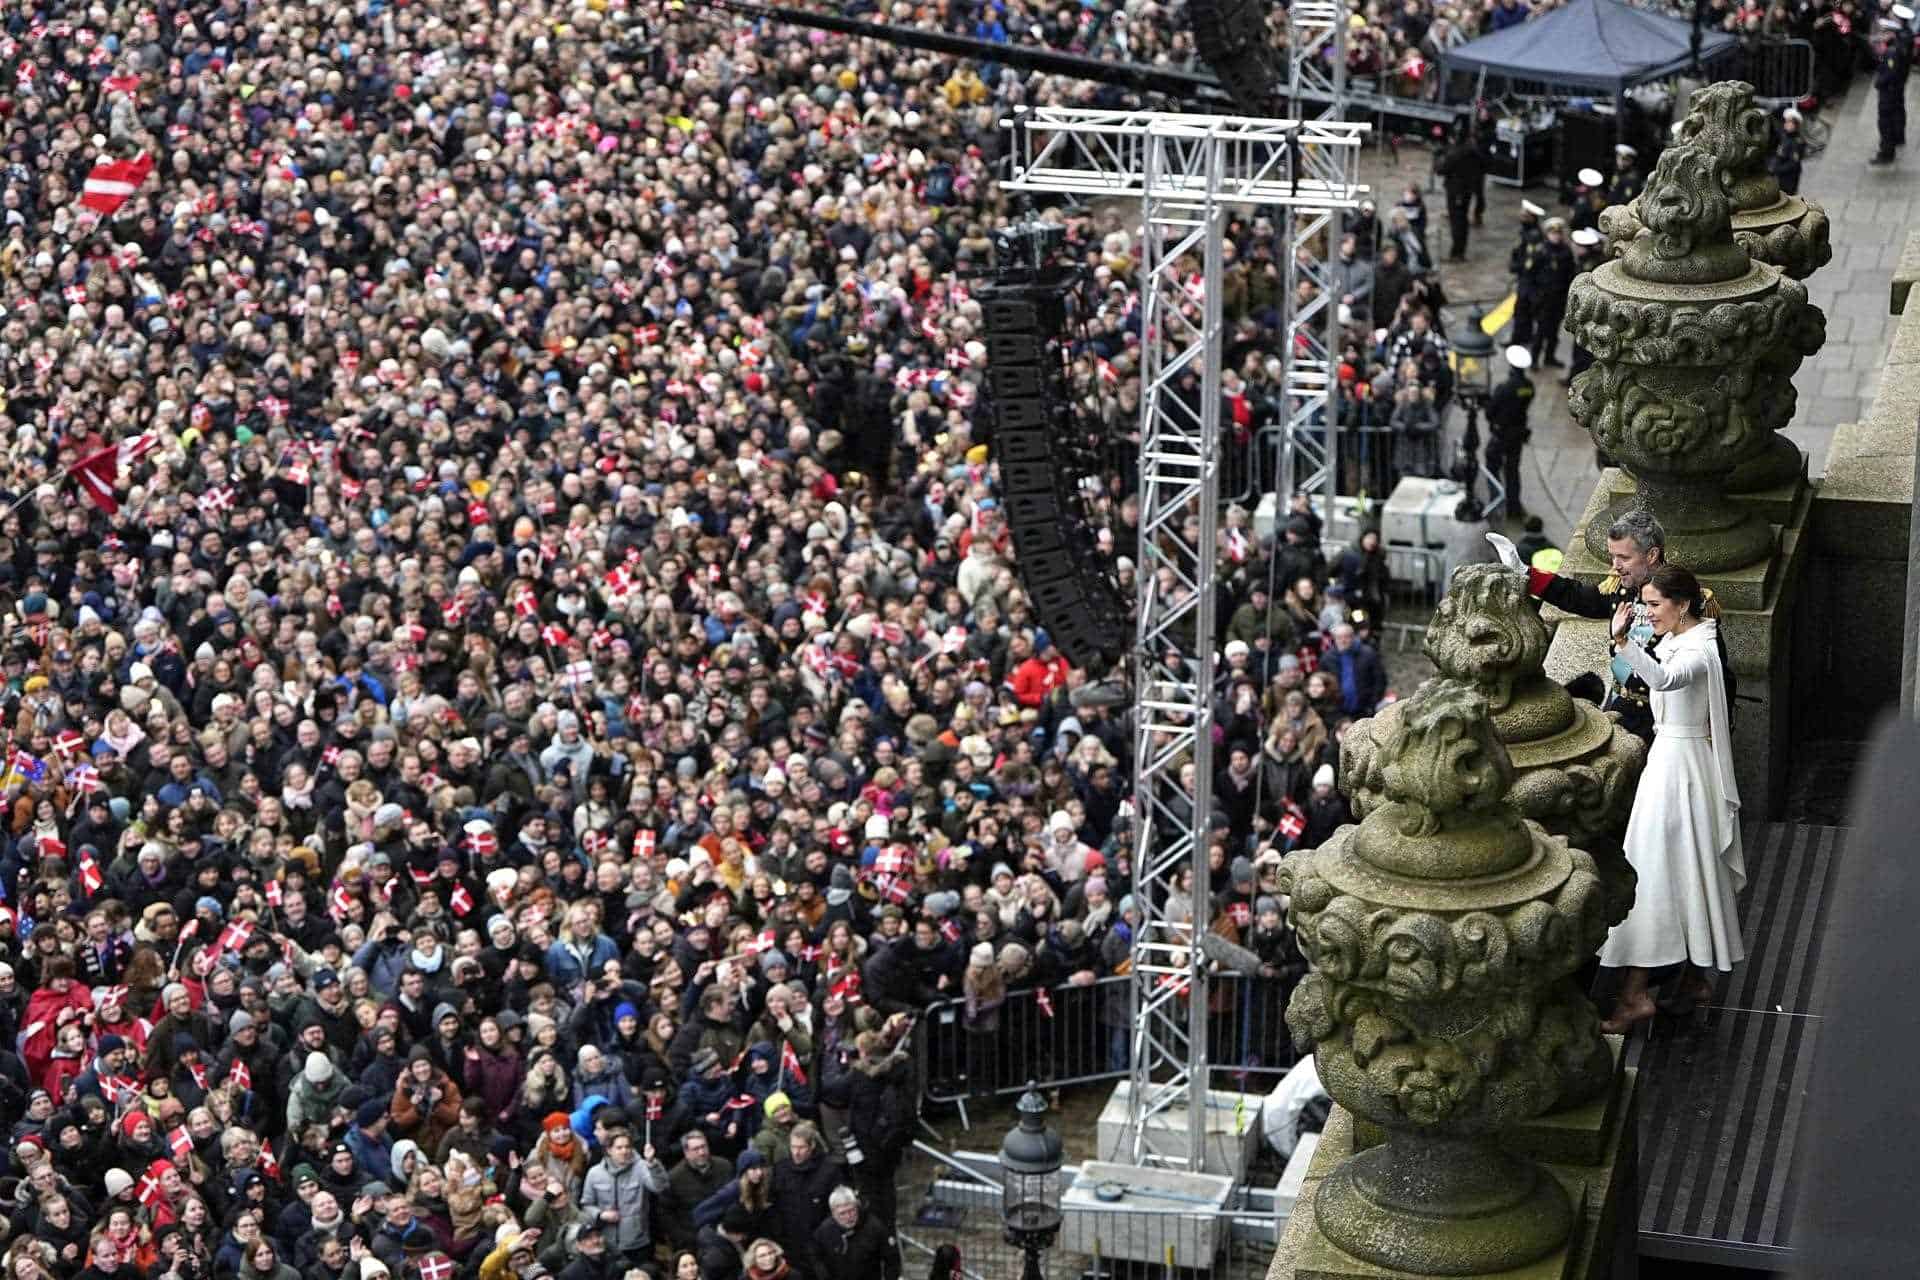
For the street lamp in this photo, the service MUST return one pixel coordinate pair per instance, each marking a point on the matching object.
(1030, 1183)
(1473, 384)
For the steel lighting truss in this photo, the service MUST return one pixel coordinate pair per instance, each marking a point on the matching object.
(1188, 172)
(1310, 441)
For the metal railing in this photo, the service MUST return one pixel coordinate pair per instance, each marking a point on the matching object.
(1074, 1035)
(1086, 1038)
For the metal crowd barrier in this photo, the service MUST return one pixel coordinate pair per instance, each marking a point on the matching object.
(1086, 1038)
(1060, 1036)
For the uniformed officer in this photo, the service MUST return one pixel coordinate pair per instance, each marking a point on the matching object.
(1589, 251)
(1627, 180)
(1524, 305)
(1547, 273)
(1589, 198)
(1636, 546)
(1507, 430)
(1892, 49)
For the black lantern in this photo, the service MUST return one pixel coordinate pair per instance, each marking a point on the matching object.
(1473, 385)
(1030, 1183)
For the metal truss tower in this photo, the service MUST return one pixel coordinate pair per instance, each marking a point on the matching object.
(1188, 172)
(1310, 442)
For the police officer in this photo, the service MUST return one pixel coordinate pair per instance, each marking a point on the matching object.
(1589, 198)
(1517, 260)
(1464, 169)
(1547, 275)
(1892, 61)
(1507, 431)
(1627, 180)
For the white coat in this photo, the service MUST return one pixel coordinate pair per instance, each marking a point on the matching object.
(1684, 836)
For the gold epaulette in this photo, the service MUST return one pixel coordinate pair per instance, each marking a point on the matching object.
(1609, 584)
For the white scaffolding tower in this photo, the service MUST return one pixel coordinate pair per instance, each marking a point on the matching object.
(1188, 172)
(1310, 437)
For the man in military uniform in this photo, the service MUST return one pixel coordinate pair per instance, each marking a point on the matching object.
(1589, 199)
(1636, 546)
(1547, 274)
(1507, 429)
(1517, 266)
(1627, 179)
(1892, 48)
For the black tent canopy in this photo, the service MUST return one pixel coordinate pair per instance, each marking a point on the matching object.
(1602, 46)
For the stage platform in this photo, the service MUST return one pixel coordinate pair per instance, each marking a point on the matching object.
(1722, 1093)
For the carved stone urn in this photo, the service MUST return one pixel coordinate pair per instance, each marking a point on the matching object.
(1575, 769)
(1778, 229)
(1442, 931)
(1695, 345)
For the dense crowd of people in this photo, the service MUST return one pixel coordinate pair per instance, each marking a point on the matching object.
(516, 687)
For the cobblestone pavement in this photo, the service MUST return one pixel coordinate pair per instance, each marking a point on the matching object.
(1871, 210)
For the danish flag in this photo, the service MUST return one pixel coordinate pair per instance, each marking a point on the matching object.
(217, 501)
(1044, 1000)
(180, 1142)
(240, 1075)
(339, 901)
(643, 843)
(460, 900)
(891, 861)
(150, 1185)
(98, 472)
(112, 184)
(436, 1266)
(654, 1107)
(75, 294)
(234, 937)
(274, 893)
(1293, 823)
(483, 843)
(790, 1063)
(269, 1165)
(90, 878)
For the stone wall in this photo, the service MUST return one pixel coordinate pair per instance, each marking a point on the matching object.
(1852, 645)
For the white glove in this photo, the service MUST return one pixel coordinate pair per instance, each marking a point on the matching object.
(1509, 554)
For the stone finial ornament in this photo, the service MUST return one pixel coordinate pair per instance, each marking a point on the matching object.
(1778, 229)
(1695, 346)
(1442, 932)
(1575, 768)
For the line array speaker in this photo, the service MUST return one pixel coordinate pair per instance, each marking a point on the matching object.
(1080, 607)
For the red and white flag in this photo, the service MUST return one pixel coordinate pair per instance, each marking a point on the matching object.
(150, 1186)
(235, 936)
(180, 1142)
(460, 900)
(1044, 999)
(436, 1266)
(240, 1075)
(112, 184)
(274, 893)
(90, 878)
(98, 473)
(339, 901)
(643, 840)
(790, 1063)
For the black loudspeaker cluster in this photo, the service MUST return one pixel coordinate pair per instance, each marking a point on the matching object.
(1073, 598)
(1231, 37)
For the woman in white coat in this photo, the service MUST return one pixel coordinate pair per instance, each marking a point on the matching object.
(1684, 836)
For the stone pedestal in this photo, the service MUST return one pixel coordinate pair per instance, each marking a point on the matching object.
(1759, 604)
(1593, 1152)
